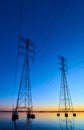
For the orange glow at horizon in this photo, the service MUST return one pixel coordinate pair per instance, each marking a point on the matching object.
(44, 108)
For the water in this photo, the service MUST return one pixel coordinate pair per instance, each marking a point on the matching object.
(43, 121)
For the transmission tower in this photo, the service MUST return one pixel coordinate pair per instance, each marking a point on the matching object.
(65, 102)
(24, 100)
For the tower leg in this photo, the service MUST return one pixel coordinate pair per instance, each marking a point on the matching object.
(15, 115)
(30, 115)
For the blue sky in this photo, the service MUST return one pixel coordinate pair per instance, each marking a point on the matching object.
(56, 28)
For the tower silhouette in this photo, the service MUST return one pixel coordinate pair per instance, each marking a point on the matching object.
(24, 100)
(65, 102)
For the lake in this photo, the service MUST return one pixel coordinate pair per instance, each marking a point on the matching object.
(42, 121)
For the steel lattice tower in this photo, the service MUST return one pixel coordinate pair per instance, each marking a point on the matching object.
(65, 102)
(24, 100)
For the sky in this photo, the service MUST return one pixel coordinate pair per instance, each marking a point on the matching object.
(56, 27)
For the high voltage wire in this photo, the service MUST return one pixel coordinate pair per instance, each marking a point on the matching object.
(21, 17)
(52, 26)
(76, 64)
(20, 31)
(70, 70)
(73, 63)
(19, 34)
(51, 29)
(53, 23)
(76, 58)
(79, 69)
(50, 13)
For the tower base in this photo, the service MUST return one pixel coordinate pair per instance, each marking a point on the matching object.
(58, 114)
(74, 114)
(15, 116)
(32, 116)
(66, 114)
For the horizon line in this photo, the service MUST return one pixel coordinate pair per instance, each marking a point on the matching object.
(37, 111)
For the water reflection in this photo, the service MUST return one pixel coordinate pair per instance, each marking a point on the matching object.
(22, 124)
(66, 123)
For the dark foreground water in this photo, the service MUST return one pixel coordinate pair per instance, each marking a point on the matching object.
(43, 121)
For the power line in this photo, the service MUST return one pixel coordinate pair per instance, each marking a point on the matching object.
(52, 26)
(21, 17)
(54, 20)
(50, 14)
(76, 62)
(76, 58)
(79, 69)
(20, 31)
(19, 35)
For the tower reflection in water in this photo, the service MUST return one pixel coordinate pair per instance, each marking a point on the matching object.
(22, 124)
(66, 123)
